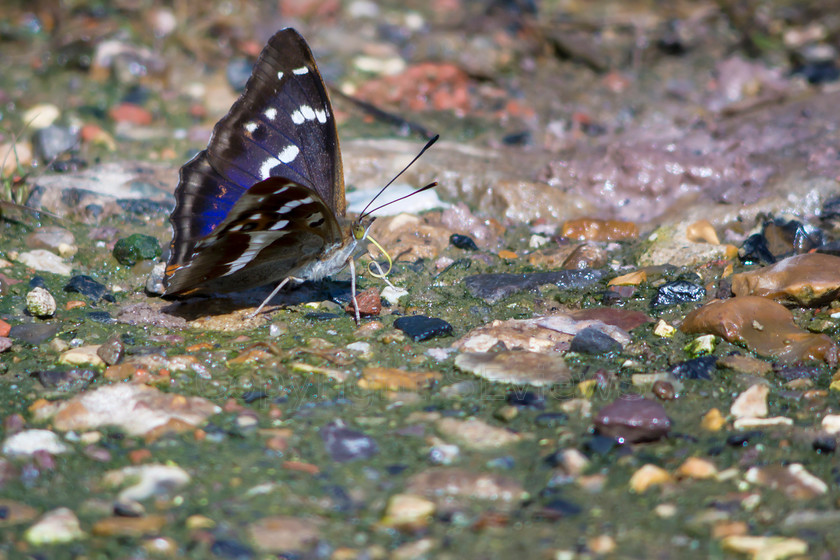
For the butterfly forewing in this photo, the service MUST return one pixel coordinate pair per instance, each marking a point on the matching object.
(282, 126)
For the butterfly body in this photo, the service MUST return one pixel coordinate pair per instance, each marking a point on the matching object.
(264, 202)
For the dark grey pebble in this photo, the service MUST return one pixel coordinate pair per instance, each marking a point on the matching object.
(322, 316)
(824, 444)
(89, 288)
(789, 373)
(34, 333)
(237, 72)
(420, 327)
(698, 368)
(558, 508)
(592, 341)
(344, 444)
(754, 250)
(633, 419)
(53, 141)
(136, 247)
(38, 282)
(743, 439)
(495, 287)
(463, 242)
(679, 291)
(526, 399)
(231, 550)
(112, 352)
(65, 380)
(252, 396)
(599, 445)
(101, 317)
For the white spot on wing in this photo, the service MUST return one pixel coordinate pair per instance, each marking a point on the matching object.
(251, 126)
(322, 115)
(256, 244)
(288, 154)
(292, 204)
(279, 225)
(267, 166)
(300, 71)
(279, 75)
(307, 112)
(297, 117)
(271, 113)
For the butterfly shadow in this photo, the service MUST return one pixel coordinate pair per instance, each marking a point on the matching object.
(196, 307)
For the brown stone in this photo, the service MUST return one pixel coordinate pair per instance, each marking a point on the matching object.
(808, 280)
(586, 256)
(633, 419)
(793, 480)
(283, 533)
(128, 526)
(442, 484)
(745, 364)
(763, 326)
(369, 303)
(393, 379)
(15, 513)
(592, 229)
(516, 367)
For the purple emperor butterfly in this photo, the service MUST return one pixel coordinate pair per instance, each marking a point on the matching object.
(264, 202)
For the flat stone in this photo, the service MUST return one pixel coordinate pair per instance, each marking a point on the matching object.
(678, 245)
(393, 379)
(477, 434)
(765, 548)
(516, 367)
(751, 403)
(137, 409)
(494, 287)
(442, 484)
(82, 356)
(762, 423)
(66, 380)
(420, 327)
(407, 511)
(745, 364)
(807, 280)
(515, 334)
(45, 261)
(793, 480)
(27, 442)
(34, 333)
(593, 341)
(633, 419)
(763, 326)
(285, 533)
(129, 526)
(146, 481)
(15, 513)
(55, 527)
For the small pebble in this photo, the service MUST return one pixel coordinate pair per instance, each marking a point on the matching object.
(421, 327)
(677, 292)
(136, 247)
(464, 242)
(648, 476)
(40, 303)
(344, 444)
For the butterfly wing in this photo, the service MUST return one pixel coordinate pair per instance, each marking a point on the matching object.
(281, 126)
(273, 231)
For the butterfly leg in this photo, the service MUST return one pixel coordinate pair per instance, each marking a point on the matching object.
(353, 290)
(274, 293)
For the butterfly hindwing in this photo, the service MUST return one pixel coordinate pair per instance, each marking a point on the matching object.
(270, 232)
(281, 126)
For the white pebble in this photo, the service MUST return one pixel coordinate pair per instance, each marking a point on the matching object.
(40, 303)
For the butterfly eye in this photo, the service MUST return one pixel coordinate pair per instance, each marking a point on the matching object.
(359, 232)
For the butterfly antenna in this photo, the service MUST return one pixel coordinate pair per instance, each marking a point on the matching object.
(428, 145)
